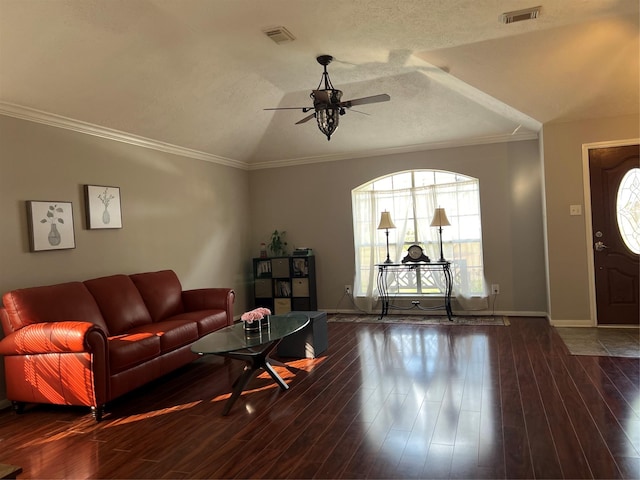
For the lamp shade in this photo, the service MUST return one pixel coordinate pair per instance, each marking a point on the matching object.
(440, 218)
(385, 221)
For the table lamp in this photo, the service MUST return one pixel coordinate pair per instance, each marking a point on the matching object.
(385, 224)
(440, 220)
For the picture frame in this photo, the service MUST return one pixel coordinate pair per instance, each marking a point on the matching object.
(50, 225)
(102, 207)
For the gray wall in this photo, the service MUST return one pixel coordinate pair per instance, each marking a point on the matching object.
(313, 204)
(178, 213)
(568, 249)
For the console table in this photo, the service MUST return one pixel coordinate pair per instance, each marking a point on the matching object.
(441, 267)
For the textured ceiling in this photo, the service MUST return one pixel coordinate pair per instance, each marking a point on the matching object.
(197, 74)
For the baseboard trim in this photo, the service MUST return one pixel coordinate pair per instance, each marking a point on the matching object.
(571, 323)
(462, 313)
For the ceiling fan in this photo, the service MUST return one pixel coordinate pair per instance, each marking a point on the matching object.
(327, 102)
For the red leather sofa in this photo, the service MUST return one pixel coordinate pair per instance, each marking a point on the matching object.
(86, 343)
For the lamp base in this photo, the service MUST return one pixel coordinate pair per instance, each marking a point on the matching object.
(388, 260)
(442, 260)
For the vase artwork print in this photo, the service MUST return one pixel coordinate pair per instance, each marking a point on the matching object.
(103, 208)
(50, 225)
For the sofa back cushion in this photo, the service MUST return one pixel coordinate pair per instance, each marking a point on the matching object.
(54, 303)
(120, 303)
(161, 292)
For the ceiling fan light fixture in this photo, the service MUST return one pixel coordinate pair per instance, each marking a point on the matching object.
(328, 119)
(327, 102)
(327, 96)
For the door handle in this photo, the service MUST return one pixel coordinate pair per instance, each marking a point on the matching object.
(599, 246)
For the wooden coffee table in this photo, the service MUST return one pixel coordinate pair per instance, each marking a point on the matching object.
(252, 348)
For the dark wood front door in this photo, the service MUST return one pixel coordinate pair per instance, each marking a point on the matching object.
(615, 208)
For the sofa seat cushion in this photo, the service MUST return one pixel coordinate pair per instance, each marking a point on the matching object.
(207, 320)
(131, 349)
(173, 333)
(120, 303)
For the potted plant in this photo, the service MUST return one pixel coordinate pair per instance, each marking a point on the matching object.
(278, 245)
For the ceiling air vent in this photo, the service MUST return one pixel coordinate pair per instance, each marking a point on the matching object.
(520, 15)
(279, 34)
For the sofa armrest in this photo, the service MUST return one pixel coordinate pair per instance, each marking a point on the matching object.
(210, 299)
(7, 328)
(54, 337)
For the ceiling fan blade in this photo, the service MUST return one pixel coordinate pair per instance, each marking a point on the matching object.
(365, 100)
(306, 119)
(304, 109)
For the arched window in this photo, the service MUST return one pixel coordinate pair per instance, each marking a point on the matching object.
(411, 197)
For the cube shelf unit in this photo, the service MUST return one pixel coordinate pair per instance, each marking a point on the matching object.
(285, 284)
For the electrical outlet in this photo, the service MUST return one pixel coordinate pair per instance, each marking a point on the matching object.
(347, 289)
(495, 289)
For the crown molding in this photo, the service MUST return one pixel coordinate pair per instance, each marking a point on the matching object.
(51, 119)
(506, 138)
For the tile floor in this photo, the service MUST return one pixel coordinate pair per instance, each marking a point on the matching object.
(613, 342)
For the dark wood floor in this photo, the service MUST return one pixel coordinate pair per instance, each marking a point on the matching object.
(387, 401)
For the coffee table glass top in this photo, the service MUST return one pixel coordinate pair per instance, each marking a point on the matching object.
(235, 337)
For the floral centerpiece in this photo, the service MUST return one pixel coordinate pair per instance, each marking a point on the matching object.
(256, 319)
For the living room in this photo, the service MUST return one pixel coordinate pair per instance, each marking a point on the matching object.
(206, 219)
(204, 213)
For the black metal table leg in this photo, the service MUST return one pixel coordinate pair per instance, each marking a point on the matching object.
(277, 378)
(383, 292)
(255, 360)
(449, 288)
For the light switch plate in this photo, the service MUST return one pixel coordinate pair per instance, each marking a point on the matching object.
(575, 209)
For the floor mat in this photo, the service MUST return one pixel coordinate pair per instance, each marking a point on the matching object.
(420, 320)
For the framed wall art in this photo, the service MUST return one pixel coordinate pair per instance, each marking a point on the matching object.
(50, 225)
(102, 206)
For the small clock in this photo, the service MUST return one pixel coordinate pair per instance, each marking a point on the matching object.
(415, 254)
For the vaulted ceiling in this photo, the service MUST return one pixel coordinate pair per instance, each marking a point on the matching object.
(194, 76)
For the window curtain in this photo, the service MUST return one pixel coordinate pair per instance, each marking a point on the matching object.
(371, 243)
(407, 206)
(461, 203)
